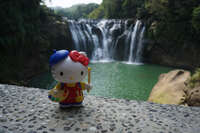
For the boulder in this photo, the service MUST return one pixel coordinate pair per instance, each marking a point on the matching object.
(193, 96)
(170, 88)
(193, 89)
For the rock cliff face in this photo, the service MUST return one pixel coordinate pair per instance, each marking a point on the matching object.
(165, 47)
(60, 35)
(184, 57)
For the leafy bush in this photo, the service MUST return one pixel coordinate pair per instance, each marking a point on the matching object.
(194, 81)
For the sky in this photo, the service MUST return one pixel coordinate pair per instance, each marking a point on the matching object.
(69, 3)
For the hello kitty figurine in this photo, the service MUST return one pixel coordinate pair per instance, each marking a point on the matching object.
(69, 69)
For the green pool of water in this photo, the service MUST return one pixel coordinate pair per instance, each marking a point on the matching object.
(115, 79)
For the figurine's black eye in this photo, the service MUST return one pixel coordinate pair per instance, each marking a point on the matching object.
(61, 73)
(82, 72)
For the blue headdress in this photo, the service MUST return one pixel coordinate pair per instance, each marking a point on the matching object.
(57, 56)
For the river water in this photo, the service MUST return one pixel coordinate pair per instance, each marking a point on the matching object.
(115, 79)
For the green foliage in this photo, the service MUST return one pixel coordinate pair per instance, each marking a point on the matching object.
(14, 22)
(173, 21)
(194, 81)
(141, 12)
(25, 38)
(119, 9)
(112, 8)
(196, 18)
(97, 13)
(132, 7)
(171, 10)
(76, 11)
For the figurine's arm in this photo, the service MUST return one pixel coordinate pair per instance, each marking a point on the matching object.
(85, 86)
(58, 86)
(57, 94)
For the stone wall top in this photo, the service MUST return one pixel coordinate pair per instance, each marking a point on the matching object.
(28, 110)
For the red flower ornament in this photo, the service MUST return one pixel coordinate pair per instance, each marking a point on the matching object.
(77, 57)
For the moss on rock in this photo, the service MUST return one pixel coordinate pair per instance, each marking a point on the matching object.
(193, 89)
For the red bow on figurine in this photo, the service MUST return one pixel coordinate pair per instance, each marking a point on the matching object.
(77, 57)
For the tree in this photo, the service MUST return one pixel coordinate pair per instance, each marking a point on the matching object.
(76, 11)
(131, 7)
(173, 19)
(112, 8)
(97, 13)
(196, 18)
(119, 9)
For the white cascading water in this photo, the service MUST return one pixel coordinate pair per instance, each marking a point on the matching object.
(101, 38)
(133, 41)
(140, 46)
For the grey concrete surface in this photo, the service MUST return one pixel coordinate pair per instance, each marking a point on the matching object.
(28, 110)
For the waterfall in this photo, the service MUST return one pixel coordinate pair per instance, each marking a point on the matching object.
(133, 42)
(107, 40)
(140, 46)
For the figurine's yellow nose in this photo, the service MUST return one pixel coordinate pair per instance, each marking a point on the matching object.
(71, 78)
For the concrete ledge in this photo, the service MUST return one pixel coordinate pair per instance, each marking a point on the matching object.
(28, 110)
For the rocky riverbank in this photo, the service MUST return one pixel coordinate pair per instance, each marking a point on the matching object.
(29, 110)
(177, 87)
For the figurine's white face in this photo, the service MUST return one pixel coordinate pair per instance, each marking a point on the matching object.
(68, 71)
